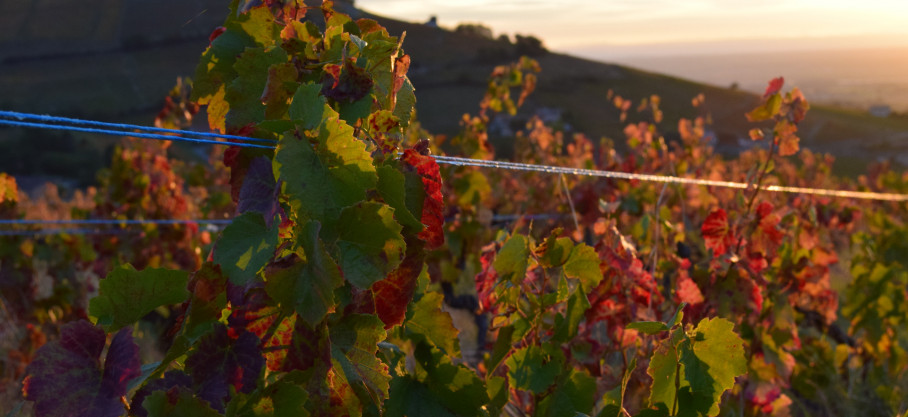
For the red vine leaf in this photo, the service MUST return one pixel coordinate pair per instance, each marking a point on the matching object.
(66, 378)
(347, 83)
(688, 291)
(767, 235)
(259, 191)
(786, 138)
(716, 233)
(172, 379)
(433, 205)
(774, 86)
(222, 362)
(797, 104)
(401, 66)
(393, 294)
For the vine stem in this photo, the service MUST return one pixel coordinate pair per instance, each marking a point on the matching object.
(677, 388)
(757, 186)
(567, 196)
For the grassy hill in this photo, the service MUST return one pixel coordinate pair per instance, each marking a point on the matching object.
(116, 59)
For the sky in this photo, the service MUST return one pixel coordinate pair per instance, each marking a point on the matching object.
(663, 26)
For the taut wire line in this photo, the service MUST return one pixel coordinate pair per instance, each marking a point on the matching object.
(449, 160)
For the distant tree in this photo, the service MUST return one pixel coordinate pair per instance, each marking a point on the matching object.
(474, 29)
(529, 46)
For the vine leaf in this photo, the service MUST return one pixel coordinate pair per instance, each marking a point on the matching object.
(277, 94)
(172, 379)
(258, 193)
(127, 295)
(713, 357)
(392, 188)
(244, 92)
(307, 287)
(774, 86)
(307, 106)
(445, 388)
(663, 368)
(583, 264)
(66, 377)
(216, 66)
(320, 183)
(346, 83)
(410, 397)
(353, 352)
(511, 261)
(574, 394)
(566, 325)
(769, 108)
(224, 362)
(429, 321)
(179, 402)
(555, 251)
(648, 327)
(528, 370)
(406, 102)
(716, 232)
(285, 397)
(245, 246)
(432, 211)
(392, 294)
(208, 300)
(785, 136)
(370, 243)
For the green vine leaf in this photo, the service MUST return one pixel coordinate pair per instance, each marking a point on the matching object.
(566, 325)
(528, 369)
(713, 357)
(245, 91)
(127, 295)
(428, 320)
(370, 243)
(183, 403)
(409, 397)
(392, 188)
(320, 183)
(554, 251)
(353, 352)
(245, 246)
(307, 106)
(511, 261)
(215, 70)
(574, 395)
(663, 368)
(583, 264)
(307, 287)
(648, 327)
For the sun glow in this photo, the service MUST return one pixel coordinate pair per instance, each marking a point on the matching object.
(575, 23)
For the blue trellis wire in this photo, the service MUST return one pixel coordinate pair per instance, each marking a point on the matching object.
(125, 133)
(212, 224)
(515, 166)
(82, 122)
(68, 231)
(113, 222)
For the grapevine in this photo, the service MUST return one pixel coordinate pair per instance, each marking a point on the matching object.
(330, 292)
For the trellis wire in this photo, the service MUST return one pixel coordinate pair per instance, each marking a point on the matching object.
(125, 133)
(452, 160)
(82, 122)
(114, 222)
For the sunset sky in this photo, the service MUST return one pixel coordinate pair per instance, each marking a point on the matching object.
(570, 25)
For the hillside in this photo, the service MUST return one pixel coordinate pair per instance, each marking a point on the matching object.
(117, 60)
